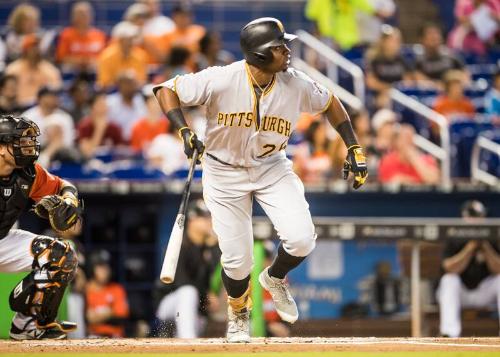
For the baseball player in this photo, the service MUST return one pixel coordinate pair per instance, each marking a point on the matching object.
(51, 263)
(252, 108)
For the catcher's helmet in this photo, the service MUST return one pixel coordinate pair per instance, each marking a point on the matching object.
(257, 38)
(22, 133)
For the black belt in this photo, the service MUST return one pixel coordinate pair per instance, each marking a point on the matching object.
(223, 162)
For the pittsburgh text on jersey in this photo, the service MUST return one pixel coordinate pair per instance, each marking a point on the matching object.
(268, 123)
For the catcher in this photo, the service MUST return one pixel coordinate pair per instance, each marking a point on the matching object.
(51, 263)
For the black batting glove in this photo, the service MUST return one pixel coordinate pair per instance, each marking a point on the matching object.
(191, 142)
(355, 162)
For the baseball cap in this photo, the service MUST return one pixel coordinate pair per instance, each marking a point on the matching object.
(125, 29)
(383, 116)
(135, 10)
(48, 90)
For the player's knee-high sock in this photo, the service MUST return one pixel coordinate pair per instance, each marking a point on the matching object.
(238, 292)
(234, 288)
(283, 263)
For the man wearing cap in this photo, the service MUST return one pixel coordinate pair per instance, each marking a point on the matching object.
(187, 298)
(121, 55)
(32, 72)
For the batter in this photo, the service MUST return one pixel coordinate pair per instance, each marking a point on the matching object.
(253, 107)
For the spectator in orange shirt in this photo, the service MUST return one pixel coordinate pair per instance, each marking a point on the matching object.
(97, 131)
(107, 306)
(149, 127)
(405, 164)
(186, 33)
(453, 103)
(122, 55)
(33, 72)
(80, 44)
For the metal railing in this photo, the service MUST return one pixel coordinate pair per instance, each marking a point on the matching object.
(335, 59)
(476, 172)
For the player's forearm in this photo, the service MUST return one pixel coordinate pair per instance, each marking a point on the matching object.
(339, 119)
(457, 263)
(492, 259)
(171, 106)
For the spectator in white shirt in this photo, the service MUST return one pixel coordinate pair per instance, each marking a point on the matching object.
(56, 126)
(127, 105)
(157, 24)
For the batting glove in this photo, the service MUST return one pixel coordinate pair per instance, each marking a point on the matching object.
(191, 142)
(355, 162)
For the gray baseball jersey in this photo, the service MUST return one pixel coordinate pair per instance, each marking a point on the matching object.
(236, 133)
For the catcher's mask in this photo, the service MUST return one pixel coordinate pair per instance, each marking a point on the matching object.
(23, 134)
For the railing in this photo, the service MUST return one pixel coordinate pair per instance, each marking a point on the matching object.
(476, 172)
(335, 59)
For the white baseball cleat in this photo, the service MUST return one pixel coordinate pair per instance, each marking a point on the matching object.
(283, 300)
(238, 326)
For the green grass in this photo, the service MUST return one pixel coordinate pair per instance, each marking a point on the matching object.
(274, 354)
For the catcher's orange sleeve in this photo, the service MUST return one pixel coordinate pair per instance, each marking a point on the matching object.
(45, 184)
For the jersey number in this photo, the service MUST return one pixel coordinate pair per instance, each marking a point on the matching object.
(270, 148)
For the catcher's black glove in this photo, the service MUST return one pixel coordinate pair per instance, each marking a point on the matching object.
(191, 142)
(63, 213)
(355, 162)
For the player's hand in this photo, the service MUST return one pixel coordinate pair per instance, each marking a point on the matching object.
(355, 162)
(62, 212)
(191, 142)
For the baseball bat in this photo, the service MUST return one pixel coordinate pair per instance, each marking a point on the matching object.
(169, 266)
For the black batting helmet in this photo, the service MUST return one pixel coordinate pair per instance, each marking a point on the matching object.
(22, 133)
(474, 209)
(257, 38)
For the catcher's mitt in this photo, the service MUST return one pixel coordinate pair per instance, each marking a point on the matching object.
(62, 213)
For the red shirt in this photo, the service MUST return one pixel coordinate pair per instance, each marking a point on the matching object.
(45, 184)
(112, 297)
(391, 166)
(144, 131)
(112, 136)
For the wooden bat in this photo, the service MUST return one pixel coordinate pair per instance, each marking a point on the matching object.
(169, 266)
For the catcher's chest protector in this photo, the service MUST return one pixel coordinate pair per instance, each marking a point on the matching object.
(14, 195)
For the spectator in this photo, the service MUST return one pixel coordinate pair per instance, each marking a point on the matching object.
(156, 24)
(385, 65)
(107, 306)
(56, 126)
(186, 300)
(492, 99)
(122, 55)
(211, 52)
(404, 164)
(80, 44)
(337, 20)
(313, 159)
(96, 130)
(435, 59)
(126, 106)
(77, 104)
(471, 274)
(177, 64)
(32, 72)
(476, 27)
(384, 125)
(166, 152)
(185, 34)
(370, 24)
(149, 127)
(453, 103)
(8, 96)
(24, 20)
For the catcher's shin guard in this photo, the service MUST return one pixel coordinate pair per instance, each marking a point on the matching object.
(40, 293)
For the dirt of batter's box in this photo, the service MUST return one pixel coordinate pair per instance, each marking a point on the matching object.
(159, 345)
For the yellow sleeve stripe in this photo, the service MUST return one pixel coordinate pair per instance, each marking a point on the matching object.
(325, 108)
